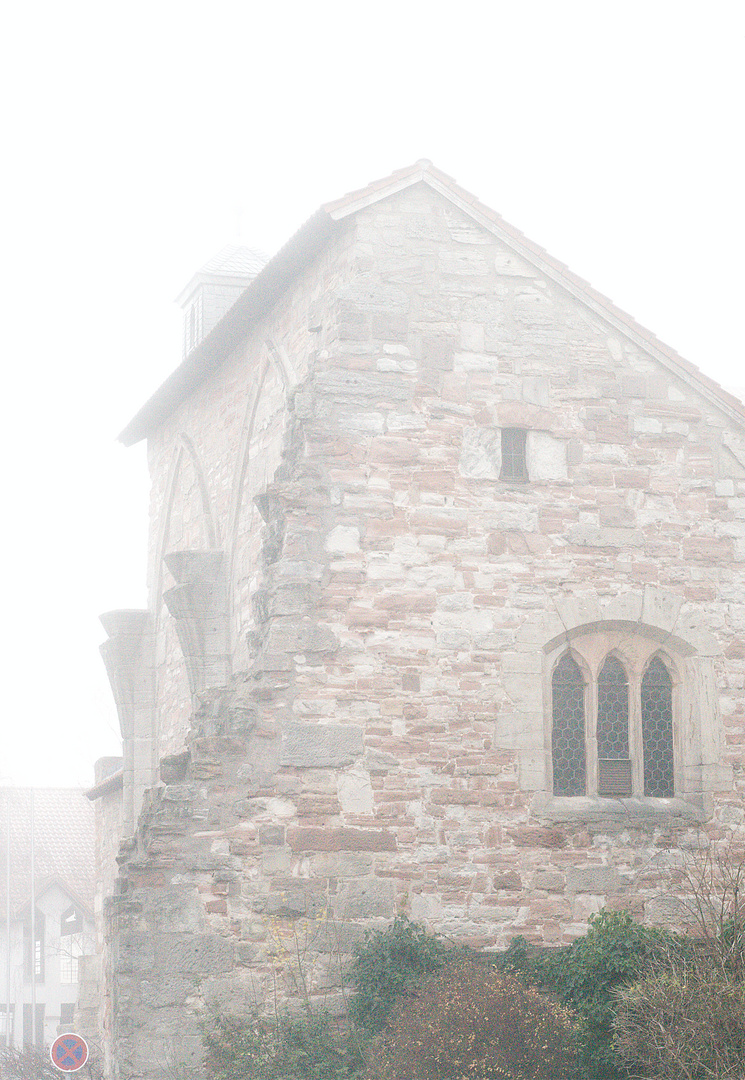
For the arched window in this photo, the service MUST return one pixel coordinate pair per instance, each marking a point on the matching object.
(613, 703)
(568, 744)
(657, 730)
(614, 763)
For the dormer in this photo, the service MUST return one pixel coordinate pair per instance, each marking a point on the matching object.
(214, 289)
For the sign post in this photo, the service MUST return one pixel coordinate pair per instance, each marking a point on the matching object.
(69, 1052)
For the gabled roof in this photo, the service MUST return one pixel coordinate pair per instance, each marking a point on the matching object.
(64, 840)
(301, 249)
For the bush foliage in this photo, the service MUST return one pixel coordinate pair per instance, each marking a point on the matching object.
(476, 1022)
(26, 1064)
(388, 965)
(687, 1021)
(422, 1010)
(310, 1046)
(587, 975)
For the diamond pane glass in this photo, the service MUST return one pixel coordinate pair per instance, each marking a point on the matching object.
(613, 710)
(657, 731)
(568, 742)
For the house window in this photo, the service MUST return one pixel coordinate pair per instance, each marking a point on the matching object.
(71, 945)
(34, 958)
(514, 454)
(4, 1018)
(612, 721)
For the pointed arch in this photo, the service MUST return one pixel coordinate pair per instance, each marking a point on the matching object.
(657, 729)
(259, 453)
(568, 753)
(613, 709)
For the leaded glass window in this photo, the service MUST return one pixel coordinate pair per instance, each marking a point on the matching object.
(568, 742)
(657, 731)
(613, 710)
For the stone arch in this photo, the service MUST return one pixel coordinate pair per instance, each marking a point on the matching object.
(259, 454)
(187, 504)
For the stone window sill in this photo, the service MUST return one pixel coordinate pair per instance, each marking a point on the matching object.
(593, 809)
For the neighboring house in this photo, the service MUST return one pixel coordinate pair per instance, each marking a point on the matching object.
(47, 947)
(446, 616)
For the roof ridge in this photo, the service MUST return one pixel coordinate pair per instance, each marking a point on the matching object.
(283, 267)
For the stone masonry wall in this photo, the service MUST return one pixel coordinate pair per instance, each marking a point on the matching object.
(382, 744)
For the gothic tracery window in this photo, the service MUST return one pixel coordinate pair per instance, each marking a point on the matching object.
(657, 730)
(612, 730)
(569, 728)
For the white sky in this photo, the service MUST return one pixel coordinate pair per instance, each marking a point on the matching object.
(140, 138)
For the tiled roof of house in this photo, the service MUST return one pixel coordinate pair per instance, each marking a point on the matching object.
(63, 841)
(298, 252)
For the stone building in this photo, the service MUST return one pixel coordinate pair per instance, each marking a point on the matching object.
(447, 583)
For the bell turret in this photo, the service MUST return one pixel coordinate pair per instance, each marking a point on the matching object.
(214, 289)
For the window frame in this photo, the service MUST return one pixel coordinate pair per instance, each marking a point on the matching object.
(519, 436)
(635, 652)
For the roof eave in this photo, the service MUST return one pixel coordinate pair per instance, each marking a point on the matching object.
(258, 298)
(279, 272)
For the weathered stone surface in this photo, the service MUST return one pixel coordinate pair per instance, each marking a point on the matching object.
(299, 635)
(168, 991)
(481, 456)
(306, 745)
(331, 839)
(366, 899)
(192, 954)
(592, 879)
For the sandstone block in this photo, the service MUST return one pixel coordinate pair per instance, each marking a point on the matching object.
(192, 954)
(592, 879)
(366, 898)
(357, 387)
(331, 839)
(547, 456)
(343, 540)
(508, 879)
(299, 635)
(591, 536)
(341, 865)
(481, 453)
(307, 745)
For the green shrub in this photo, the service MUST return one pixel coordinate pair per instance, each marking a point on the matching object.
(309, 1046)
(472, 1021)
(387, 965)
(586, 975)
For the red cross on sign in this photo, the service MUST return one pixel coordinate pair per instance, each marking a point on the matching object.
(69, 1053)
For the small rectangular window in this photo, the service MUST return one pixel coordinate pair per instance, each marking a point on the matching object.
(4, 1018)
(514, 454)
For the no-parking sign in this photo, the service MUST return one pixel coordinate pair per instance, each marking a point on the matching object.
(69, 1053)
